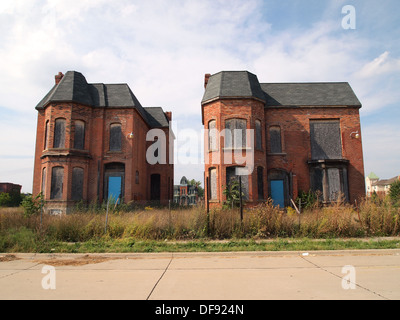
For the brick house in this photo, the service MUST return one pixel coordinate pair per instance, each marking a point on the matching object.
(6, 187)
(91, 144)
(380, 187)
(185, 193)
(303, 136)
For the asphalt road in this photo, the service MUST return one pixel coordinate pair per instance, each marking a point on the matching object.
(343, 275)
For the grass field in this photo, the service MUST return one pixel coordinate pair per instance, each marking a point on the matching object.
(265, 227)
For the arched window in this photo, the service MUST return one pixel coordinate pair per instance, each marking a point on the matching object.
(115, 137)
(258, 135)
(79, 138)
(260, 183)
(212, 136)
(46, 135)
(212, 174)
(77, 184)
(59, 134)
(235, 133)
(275, 139)
(57, 177)
(232, 175)
(44, 175)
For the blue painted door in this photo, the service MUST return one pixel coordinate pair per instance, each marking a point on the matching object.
(277, 193)
(114, 188)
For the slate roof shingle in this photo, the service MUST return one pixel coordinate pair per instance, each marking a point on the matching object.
(243, 84)
(73, 87)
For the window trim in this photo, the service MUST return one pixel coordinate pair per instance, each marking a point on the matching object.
(216, 144)
(46, 135)
(63, 139)
(84, 134)
(210, 184)
(258, 138)
(115, 124)
(233, 145)
(73, 185)
(270, 128)
(58, 195)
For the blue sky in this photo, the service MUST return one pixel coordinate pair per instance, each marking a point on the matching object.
(162, 49)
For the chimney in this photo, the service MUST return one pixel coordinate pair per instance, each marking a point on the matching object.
(206, 78)
(169, 115)
(58, 77)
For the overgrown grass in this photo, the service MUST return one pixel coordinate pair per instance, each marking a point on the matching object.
(163, 230)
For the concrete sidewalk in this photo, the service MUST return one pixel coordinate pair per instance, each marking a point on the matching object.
(373, 274)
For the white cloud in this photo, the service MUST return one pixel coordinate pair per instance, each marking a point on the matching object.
(162, 49)
(382, 150)
(379, 66)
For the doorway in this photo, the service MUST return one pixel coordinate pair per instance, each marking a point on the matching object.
(279, 187)
(278, 193)
(155, 187)
(114, 182)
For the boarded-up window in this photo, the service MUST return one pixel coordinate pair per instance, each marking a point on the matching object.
(260, 182)
(59, 134)
(44, 176)
(331, 182)
(275, 139)
(317, 179)
(326, 140)
(57, 177)
(213, 183)
(231, 175)
(212, 136)
(79, 138)
(115, 137)
(46, 135)
(335, 189)
(258, 135)
(235, 136)
(77, 184)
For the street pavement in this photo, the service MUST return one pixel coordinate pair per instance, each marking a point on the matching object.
(314, 275)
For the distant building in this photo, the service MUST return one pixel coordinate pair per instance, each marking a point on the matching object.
(185, 194)
(380, 187)
(6, 187)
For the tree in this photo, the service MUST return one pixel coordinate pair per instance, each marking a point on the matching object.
(395, 191)
(232, 193)
(5, 199)
(199, 190)
(12, 199)
(32, 205)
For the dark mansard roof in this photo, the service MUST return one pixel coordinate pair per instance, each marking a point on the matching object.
(243, 84)
(73, 87)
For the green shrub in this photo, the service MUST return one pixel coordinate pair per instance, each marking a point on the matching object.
(32, 205)
(395, 192)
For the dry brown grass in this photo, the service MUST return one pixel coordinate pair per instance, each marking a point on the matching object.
(265, 221)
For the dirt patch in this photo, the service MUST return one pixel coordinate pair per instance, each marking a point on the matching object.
(80, 261)
(8, 258)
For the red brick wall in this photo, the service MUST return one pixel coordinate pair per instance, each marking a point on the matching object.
(222, 110)
(295, 131)
(97, 154)
(296, 146)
